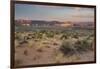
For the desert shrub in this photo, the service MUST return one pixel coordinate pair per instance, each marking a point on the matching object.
(33, 37)
(45, 42)
(30, 34)
(83, 46)
(56, 32)
(92, 35)
(64, 36)
(34, 34)
(78, 46)
(43, 31)
(50, 34)
(75, 36)
(39, 35)
(63, 31)
(88, 37)
(55, 43)
(17, 37)
(36, 40)
(67, 48)
(23, 42)
(26, 38)
(87, 45)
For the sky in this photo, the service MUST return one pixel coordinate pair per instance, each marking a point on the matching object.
(53, 13)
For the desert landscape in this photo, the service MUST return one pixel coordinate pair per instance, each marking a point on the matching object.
(50, 47)
(53, 35)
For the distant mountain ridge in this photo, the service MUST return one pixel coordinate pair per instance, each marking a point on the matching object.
(54, 23)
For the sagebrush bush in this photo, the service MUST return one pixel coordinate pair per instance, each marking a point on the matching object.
(64, 36)
(23, 42)
(82, 46)
(39, 35)
(18, 37)
(67, 49)
(50, 34)
(75, 36)
(43, 31)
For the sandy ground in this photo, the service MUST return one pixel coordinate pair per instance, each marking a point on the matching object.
(46, 51)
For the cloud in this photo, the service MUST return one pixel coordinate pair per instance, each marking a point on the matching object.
(83, 16)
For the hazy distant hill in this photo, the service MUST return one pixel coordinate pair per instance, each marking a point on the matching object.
(43, 23)
(84, 24)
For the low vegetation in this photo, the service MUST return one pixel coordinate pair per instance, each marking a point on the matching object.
(68, 43)
(79, 46)
(67, 48)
